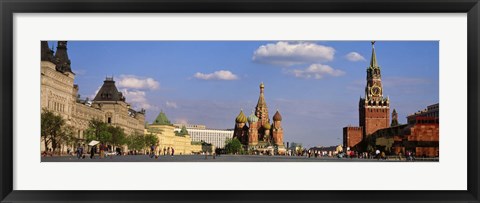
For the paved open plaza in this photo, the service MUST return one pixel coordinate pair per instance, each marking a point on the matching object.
(221, 158)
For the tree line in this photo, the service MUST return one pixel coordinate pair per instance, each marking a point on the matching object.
(56, 133)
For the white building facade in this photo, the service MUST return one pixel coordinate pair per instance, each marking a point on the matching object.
(198, 133)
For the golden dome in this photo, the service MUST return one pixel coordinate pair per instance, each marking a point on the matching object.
(241, 118)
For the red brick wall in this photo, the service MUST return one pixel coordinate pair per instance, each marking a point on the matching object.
(426, 151)
(352, 136)
(375, 119)
(425, 133)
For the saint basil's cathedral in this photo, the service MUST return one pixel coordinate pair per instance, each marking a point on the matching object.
(260, 135)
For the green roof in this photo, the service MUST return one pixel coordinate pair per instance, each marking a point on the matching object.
(161, 119)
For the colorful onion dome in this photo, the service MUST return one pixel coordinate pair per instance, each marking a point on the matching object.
(267, 126)
(277, 116)
(252, 118)
(241, 118)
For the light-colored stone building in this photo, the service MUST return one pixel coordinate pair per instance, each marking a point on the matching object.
(59, 95)
(168, 138)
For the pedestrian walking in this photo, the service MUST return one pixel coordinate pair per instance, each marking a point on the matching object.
(152, 151)
(173, 151)
(92, 152)
(102, 150)
(78, 152)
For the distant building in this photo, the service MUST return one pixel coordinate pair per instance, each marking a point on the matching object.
(199, 133)
(430, 111)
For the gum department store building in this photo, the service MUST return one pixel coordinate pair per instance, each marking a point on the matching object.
(59, 95)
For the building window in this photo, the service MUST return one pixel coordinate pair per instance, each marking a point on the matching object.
(109, 120)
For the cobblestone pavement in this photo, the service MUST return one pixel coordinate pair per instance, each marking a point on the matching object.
(201, 158)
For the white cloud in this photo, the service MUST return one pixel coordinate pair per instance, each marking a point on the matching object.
(217, 75)
(287, 54)
(80, 71)
(138, 99)
(137, 82)
(181, 121)
(316, 71)
(354, 56)
(171, 104)
(91, 97)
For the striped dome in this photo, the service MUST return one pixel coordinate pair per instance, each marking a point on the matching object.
(241, 118)
(252, 118)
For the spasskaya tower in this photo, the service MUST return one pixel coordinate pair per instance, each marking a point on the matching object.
(374, 109)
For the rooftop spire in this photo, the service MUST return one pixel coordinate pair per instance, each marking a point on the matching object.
(46, 53)
(109, 92)
(161, 119)
(261, 99)
(373, 61)
(61, 58)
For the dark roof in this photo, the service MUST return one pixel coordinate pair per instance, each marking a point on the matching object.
(61, 58)
(46, 52)
(109, 92)
(277, 116)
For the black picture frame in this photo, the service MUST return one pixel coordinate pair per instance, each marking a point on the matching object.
(10, 7)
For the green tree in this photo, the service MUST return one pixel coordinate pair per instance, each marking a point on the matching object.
(233, 146)
(182, 132)
(135, 141)
(98, 130)
(151, 139)
(66, 136)
(118, 136)
(52, 128)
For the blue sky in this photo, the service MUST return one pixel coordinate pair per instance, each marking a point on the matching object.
(315, 85)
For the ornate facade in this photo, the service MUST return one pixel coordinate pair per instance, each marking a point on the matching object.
(59, 94)
(260, 133)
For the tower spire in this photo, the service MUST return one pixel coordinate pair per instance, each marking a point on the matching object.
(61, 57)
(46, 53)
(373, 60)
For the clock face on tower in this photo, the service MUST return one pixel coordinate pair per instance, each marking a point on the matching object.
(376, 90)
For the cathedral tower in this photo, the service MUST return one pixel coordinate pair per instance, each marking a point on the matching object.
(253, 130)
(261, 110)
(241, 128)
(277, 131)
(374, 109)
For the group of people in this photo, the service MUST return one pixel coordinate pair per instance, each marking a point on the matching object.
(105, 150)
(156, 153)
(102, 150)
